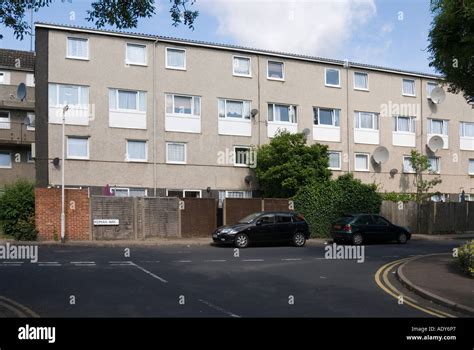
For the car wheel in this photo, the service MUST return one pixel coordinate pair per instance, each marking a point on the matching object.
(241, 240)
(299, 239)
(402, 238)
(357, 239)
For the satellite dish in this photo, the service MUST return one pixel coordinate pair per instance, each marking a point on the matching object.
(306, 132)
(393, 172)
(437, 95)
(21, 91)
(56, 162)
(248, 179)
(380, 155)
(435, 143)
(254, 112)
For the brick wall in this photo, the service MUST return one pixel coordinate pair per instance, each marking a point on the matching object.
(48, 214)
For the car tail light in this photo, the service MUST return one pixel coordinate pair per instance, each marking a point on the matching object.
(346, 227)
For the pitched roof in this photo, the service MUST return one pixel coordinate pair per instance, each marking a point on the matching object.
(17, 60)
(235, 48)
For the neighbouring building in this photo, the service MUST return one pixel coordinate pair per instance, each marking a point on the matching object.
(17, 116)
(151, 115)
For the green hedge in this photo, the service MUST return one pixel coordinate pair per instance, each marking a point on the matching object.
(17, 211)
(322, 203)
(399, 197)
(466, 258)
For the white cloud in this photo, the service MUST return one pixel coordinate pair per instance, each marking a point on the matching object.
(314, 27)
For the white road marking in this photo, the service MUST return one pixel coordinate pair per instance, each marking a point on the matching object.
(12, 262)
(299, 259)
(322, 277)
(253, 260)
(182, 261)
(49, 264)
(149, 273)
(215, 260)
(218, 308)
(83, 263)
(320, 258)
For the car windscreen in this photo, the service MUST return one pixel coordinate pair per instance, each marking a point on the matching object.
(248, 219)
(344, 219)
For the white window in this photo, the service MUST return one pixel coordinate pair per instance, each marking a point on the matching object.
(30, 79)
(434, 165)
(408, 88)
(326, 116)
(2, 78)
(183, 105)
(361, 162)
(78, 48)
(77, 147)
(404, 124)
(5, 159)
(120, 192)
(471, 167)
(366, 120)
(429, 87)
(467, 129)
(29, 157)
(241, 66)
(438, 126)
(233, 109)
(176, 153)
(276, 70)
(137, 192)
(75, 96)
(238, 194)
(334, 160)
(127, 100)
(184, 193)
(407, 168)
(137, 151)
(5, 78)
(282, 113)
(361, 81)
(332, 77)
(31, 121)
(175, 58)
(242, 156)
(5, 120)
(136, 54)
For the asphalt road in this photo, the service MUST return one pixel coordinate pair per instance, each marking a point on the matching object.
(208, 281)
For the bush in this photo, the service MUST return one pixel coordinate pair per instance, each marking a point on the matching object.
(466, 258)
(322, 203)
(398, 197)
(17, 211)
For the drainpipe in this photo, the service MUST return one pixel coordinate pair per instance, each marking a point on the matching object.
(346, 65)
(259, 120)
(154, 117)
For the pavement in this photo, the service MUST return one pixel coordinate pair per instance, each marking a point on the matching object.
(202, 280)
(437, 278)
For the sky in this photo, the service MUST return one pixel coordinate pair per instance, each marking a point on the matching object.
(389, 33)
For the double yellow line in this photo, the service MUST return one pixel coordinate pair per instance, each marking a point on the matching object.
(17, 309)
(381, 278)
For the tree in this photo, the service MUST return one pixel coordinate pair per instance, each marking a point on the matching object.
(286, 164)
(452, 43)
(118, 13)
(421, 164)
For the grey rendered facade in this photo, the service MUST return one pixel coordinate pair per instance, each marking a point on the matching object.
(190, 149)
(16, 134)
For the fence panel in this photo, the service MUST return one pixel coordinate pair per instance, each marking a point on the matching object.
(161, 217)
(199, 217)
(275, 204)
(237, 208)
(106, 208)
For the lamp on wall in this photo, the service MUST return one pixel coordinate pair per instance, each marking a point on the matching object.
(208, 189)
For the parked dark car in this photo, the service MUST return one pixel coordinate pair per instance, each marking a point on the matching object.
(264, 227)
(359, 228)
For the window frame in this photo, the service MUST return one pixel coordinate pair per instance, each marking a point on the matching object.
(469, 165)
(77, 157)
(354, 81)
(250, 66)
(333, 125)
(29, 127)
(241, 165)
(30, 80)
(438, 163)
(77, 57)
(375, 120)
(9, 121)
(430, 126)
(367, 155)
(11, 162)
(279, 121)
(326, 69)
(282, 70)
(411, 124)
(167, 66)
(137, 110)
(225, 109)
(462, 130)
(185, 152)
(428, 83)
(339, 153)
(80, 104)
(135, 160)
(29, 157)
(192, 115)
(127, 62)
(403, 86)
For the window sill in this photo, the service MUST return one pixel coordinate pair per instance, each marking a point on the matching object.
(136, 161)
(176, 68)
(136, 64)
(362, 170)
(242, 75)
(339, 169)
(183, 116)
(5, 167)
(76, 158)
(238, 120)
(326, 126)
(361, 89)
(276, 79)
(78, 58)
(408, 95)
(332, 86)
(176, 163)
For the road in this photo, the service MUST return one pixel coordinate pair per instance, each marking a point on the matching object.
(207, 281)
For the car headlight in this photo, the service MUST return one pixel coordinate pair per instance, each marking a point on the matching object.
(229, 231)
